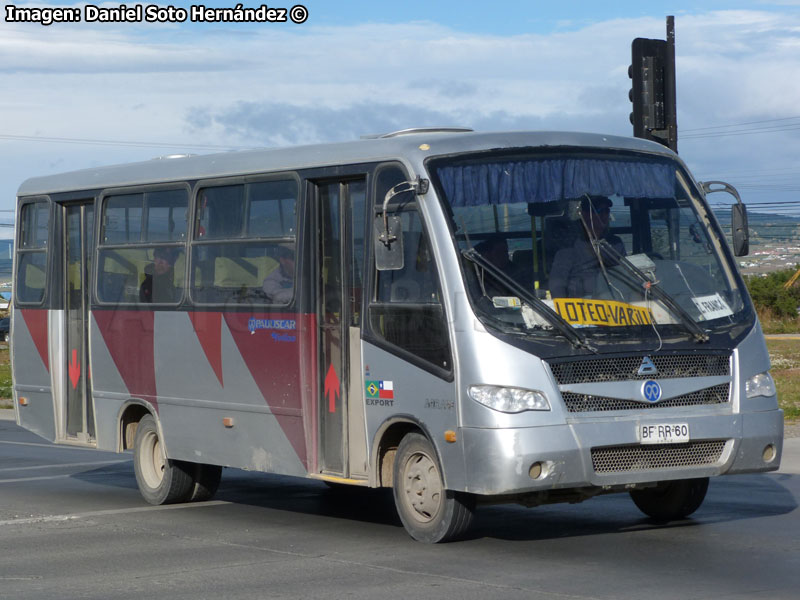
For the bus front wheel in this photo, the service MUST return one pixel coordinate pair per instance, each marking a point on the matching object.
(429, 512)
(671, 500)
(160, 480)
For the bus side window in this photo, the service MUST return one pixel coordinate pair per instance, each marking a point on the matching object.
(142, 255)
(32, 253)
(244, 243)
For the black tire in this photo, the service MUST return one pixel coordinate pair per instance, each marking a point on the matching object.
(429, 512)
(671, 500)
(206, 481)
(160, 480)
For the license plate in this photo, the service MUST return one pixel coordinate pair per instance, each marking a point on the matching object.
(664, 433)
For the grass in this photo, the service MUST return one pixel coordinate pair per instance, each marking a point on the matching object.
(5, 379)
(785, 356)
(771, 323)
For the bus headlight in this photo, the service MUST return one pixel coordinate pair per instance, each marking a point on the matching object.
(760, 385)
(508, 399)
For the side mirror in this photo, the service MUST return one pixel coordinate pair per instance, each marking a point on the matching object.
(740, 234)
(388, 231)
(739, 230)
(388, 243)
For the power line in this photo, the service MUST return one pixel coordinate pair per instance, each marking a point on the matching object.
(744, 128)
(741, 124)
(740, 132)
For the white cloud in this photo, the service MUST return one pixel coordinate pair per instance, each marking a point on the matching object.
(290, 85)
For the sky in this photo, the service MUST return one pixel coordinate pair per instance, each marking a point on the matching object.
(78, 95)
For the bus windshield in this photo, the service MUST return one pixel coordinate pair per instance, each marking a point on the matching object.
(607, 242)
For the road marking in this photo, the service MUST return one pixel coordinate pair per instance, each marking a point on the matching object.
(54, 446)
(66, 465)
(112, 511)
(23, 479)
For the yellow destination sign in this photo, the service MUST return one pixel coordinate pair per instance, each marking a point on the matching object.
(609, 313)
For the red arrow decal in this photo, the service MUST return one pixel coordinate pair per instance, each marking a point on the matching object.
(74, 370)
(331, 388)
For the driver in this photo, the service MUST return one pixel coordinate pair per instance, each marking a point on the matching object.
(575, 268)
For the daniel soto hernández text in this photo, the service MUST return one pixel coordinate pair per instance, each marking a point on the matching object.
(154, 13)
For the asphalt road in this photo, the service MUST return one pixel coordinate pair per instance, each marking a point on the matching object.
(72, 525)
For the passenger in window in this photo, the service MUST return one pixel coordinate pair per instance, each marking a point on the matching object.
(575, 268)
(159, 278)
(279, 285)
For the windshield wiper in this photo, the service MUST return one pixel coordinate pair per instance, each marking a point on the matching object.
(694, 329)
(575, 338)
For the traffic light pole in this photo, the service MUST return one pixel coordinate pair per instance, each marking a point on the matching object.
(669, 88)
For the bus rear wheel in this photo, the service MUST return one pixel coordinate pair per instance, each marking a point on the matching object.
(205, 482)
(160, 480)
(429, 512)
(671, 500)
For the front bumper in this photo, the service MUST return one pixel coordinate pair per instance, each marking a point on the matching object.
(498, 461)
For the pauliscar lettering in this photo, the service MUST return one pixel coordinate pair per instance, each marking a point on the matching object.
(43, 16)
(282, 324)
(282, 337)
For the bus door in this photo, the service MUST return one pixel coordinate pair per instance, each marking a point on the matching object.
(341, 431)
(76, 404)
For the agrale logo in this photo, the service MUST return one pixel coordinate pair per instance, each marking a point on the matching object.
(651, 391)
(647, 367)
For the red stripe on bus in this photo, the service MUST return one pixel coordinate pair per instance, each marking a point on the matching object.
(208, 327)
(272, 350)
(36, 321)
(128, 334)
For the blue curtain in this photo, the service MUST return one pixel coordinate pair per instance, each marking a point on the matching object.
(550, 180)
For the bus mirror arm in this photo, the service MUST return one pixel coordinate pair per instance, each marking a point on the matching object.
(419, 186)
(740, 233)
(389, 238)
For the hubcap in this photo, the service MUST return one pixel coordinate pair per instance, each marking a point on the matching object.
(153, 460)
(422, 486)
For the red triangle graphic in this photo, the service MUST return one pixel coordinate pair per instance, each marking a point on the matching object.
(270, 348)
(128, 334)
(208, 327)
(36, 320)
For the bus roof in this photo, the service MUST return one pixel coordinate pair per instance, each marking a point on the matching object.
(406, 146)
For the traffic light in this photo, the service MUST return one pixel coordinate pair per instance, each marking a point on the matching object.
(647, 94)
(652, 72)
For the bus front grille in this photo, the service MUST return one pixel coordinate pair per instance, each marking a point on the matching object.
(626, 368)
(581, 403)
(623, 459)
